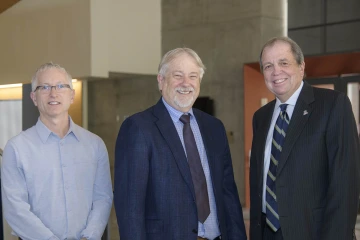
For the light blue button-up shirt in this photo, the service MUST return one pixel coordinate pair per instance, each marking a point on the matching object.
(55, 188)
(210, 228)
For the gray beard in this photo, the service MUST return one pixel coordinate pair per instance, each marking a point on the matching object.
(184, 103)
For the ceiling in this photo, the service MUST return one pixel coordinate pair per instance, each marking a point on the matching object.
(5, 4)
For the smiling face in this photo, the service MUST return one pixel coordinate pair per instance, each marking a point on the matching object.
(181, 84)
(53, 104)
(283, 75)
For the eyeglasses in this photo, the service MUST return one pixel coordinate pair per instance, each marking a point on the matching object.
(48, 88)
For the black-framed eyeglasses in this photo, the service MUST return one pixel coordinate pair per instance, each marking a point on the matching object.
(48, 88)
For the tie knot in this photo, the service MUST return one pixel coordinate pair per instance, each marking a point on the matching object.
(283, 107)
(185, 118)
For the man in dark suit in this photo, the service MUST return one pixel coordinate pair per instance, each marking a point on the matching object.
(304, 171)
(173, 171)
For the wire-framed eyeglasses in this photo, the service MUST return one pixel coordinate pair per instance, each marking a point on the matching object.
(48, 88)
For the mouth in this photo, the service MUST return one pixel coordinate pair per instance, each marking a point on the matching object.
(184, 91)
(53, 103)
(279, 81)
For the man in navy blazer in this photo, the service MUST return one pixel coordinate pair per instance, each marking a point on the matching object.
(317, 173)
(154, 194)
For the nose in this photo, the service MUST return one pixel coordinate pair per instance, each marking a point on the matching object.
(277, 69)
(186, 80)
(53, 90)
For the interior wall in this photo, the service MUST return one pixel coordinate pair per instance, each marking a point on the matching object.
(100, 36)
(110, 102)
(34, 32)
(75, 110)
(116, 25)
(14, 93)
(90, 38)
(134, 36)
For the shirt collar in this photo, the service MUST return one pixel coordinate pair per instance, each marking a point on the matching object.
(174, 113)
(292, 100)
(44, 132)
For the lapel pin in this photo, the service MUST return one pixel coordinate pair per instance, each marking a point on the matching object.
(305, 112)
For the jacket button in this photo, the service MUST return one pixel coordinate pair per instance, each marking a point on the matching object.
(194, 231)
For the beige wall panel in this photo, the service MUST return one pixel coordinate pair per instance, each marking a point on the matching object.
(134, 36)
(39, 31)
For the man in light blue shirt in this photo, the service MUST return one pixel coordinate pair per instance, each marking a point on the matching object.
(55, 175)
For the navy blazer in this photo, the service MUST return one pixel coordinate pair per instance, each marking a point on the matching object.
(154, 196)
(317, 179)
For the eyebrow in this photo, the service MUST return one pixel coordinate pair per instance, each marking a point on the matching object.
(266, 63)
(45, 83)
(284, 60)
(179, 71)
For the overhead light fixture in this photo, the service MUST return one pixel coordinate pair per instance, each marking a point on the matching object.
(11, 85)
(74, 80)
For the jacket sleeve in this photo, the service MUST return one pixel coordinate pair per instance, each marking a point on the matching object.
(130, 181)
(342, 143)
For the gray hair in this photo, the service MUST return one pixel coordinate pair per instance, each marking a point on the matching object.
(295, 49)
(172, 54)
(46, 66)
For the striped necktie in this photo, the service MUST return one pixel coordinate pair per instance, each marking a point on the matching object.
(281, 125)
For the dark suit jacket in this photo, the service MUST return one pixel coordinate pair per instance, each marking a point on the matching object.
(154, 196)
(317, 179)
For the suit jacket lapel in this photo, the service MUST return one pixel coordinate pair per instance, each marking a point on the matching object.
(169, 133)
(298, 121)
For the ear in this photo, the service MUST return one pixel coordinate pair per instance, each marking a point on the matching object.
(72, 96)
(302, 67)
(160, 80)
(33, 98)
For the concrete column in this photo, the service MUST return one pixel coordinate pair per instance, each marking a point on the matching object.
(226, 34)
